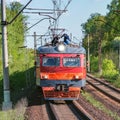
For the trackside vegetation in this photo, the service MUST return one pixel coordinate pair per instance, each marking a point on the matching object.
(100, 106)
(21, 65)
(109, 70)
(104, 41)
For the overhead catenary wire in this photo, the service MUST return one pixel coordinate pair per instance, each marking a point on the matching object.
(47, 17)
(20, 12)
(56, 11)
(37, 23)
(39, 12)
(58, 14)
(42, 14)
(64, 9)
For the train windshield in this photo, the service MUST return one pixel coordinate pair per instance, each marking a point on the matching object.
(71, 62)
(48, 61)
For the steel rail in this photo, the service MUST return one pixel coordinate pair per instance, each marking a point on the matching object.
(117, 99)
(80, 112)
(106, 84)
(52, 113)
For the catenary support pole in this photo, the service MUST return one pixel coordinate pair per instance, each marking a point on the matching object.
(35, 45)
(7, 104)
(88, 53)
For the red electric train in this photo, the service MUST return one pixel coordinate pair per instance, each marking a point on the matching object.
(61, 71)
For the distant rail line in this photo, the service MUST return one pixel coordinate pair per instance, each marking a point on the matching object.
(104, 87)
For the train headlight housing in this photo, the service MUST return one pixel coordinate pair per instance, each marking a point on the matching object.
(61, 48)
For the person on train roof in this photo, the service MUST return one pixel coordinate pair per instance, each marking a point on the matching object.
(55, 40)
(67, 40)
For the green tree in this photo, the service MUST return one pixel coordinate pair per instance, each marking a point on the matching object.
(104, 38)
(116, 45)
(102, 31)
(95, 28)
(15, 35)
(16, 32)
(113, 28)
(112, 22)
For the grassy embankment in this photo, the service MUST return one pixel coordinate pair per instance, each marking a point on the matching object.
(21, 75)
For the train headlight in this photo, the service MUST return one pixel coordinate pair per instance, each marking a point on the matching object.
(61, 48)
(45, 77)
(76, 77)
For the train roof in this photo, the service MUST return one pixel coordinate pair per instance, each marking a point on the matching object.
(68, 49)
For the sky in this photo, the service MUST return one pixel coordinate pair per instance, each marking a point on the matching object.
(77, 13)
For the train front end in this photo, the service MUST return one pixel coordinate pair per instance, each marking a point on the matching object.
(61, 71)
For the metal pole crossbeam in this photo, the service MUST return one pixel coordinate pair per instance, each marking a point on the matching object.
(45, 9)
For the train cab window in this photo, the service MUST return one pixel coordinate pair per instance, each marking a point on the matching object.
(48, 61)
(71, 62)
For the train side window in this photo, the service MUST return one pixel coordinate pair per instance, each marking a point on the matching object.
(71, 62)
(50, 61)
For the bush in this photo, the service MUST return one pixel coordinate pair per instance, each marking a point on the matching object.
(109, 69)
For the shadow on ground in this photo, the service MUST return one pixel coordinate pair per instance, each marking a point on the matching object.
(22, 85)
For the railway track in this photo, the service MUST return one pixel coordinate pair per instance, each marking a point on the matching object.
(104, 87)
(68, 110)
